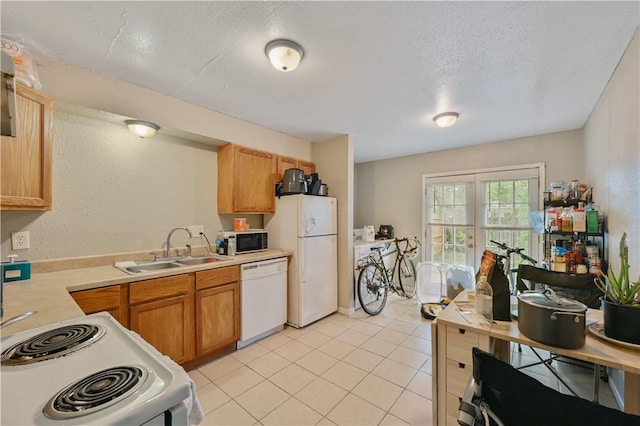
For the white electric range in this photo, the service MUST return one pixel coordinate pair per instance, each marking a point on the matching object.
(91, 370)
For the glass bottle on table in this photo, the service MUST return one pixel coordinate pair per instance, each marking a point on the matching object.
(484, 298)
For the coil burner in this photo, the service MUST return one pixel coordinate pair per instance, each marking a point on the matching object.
(52, 344)
(95, 392)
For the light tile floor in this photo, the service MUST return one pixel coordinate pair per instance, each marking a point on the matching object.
(342, 370)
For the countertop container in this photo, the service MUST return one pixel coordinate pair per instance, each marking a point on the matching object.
(552, 320)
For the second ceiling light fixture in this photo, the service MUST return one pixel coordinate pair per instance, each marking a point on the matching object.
(285, 55)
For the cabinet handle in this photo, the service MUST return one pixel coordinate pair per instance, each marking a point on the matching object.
(462, 330)
(461, 365)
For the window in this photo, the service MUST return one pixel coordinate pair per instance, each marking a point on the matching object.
(464, 212)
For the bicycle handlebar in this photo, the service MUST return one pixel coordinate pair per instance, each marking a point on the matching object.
(517, 251)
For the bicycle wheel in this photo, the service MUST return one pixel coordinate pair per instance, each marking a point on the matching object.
(372, 291)
(407, 277)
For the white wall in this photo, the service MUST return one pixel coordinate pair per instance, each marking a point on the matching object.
(612, 156)
(79, 86)
(116, 193)
(612, 162)
(334, 164)
(390, 191)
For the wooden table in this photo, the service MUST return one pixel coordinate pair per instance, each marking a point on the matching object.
(454, 332)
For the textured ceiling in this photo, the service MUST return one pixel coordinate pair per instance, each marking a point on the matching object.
(376, 70)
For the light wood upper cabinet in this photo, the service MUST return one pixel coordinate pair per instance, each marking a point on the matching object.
(217, 309)
(27, 158)
(162, 312)
(306, 166)
(111, 299)
(246, 180)
(285, 163)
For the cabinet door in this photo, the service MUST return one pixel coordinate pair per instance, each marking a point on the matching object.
(168, 325)
(26, 159)
(307, 166)
(107, 299)
(217, 318)
(255, 181)
(285, 163)
(162, 312)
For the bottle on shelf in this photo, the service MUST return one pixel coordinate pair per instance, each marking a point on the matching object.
(580, 219)
(484, 298)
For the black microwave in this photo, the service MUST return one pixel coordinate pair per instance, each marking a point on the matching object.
(250, 241)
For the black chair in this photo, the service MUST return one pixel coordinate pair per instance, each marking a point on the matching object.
(581, 288)
(578, 287)
(499, 394)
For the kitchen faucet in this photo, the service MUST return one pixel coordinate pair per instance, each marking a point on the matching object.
(168, 252)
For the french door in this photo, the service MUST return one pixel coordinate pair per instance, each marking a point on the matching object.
(464, 212)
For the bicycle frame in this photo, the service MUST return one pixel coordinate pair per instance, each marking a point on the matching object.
(376, 279)
(505, 262)
(377, 259)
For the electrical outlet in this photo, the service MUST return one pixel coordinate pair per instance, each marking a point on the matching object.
(20, 240)
(196, 229)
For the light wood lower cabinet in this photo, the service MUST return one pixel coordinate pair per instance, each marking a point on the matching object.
(187, 317)
(217, 309)
(162, 312)
(111, 299)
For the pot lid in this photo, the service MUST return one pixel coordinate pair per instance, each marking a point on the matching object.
(549, 299)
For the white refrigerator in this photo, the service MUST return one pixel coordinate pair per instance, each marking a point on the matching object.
(307, 226)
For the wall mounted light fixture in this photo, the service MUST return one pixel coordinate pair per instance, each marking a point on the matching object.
(144, 129)
(446, 119)
(285, 55)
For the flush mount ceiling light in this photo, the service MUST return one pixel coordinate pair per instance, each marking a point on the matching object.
(446, 119)
(144, 129)
(285, 55)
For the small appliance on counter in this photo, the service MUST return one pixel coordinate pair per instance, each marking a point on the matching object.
(294, 182)
(385, 232)
(245, 242)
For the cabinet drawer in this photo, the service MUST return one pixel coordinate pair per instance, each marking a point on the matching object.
(451, 411)
(458, 375)
(216, 277)
(159, 288)
(459, 344)
(99, 299)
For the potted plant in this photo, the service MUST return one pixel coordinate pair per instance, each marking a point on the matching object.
(620, 302)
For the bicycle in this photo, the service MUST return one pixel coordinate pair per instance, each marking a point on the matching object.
(375, 280)
(504, 262)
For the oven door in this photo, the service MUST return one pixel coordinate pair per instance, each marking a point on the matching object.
(174, 416)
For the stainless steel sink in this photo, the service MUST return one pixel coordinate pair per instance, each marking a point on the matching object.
(161, 264)
(199, 260)
(151, 266)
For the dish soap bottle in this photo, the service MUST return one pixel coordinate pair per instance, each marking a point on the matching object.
(220, 242)
(484, 298)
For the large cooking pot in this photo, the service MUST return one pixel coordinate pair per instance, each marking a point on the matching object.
(547, 318)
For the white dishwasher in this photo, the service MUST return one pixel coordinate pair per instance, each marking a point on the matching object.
(263, 294)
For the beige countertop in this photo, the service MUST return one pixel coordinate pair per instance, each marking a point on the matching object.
(48, 293)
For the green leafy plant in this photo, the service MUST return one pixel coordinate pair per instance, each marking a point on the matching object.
(619, 289)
